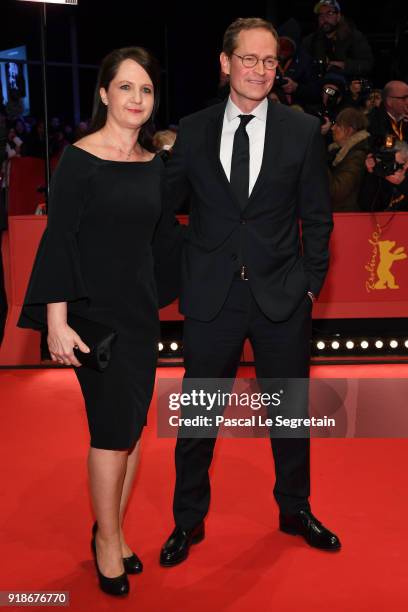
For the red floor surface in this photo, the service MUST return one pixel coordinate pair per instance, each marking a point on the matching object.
(244, 564)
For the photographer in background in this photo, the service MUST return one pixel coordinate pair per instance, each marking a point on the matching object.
(391, 117)
(295, 70)
(385, 186)
(373, 101)
(163, 143)
(333, 90)
(359, 91)
(347, 155)
(336, 42)
(13, 144)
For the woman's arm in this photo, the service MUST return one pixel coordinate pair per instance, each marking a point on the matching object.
(57, 279)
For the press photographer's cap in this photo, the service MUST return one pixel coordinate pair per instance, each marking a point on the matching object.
(330, 3)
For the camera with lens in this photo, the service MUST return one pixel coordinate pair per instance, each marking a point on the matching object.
(384, 155)
(333, 96)
(324, 114)
(366, 86)
(329, 110)
(319, 67)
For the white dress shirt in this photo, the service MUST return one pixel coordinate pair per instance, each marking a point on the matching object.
(256, 133)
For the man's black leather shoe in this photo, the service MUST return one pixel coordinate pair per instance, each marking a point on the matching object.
(305, 524)
(177, 547)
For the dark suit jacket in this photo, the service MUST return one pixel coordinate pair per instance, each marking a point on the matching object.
(292, 187)
(377, 193)
(380, 126)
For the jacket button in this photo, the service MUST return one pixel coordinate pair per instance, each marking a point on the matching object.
(234, 257)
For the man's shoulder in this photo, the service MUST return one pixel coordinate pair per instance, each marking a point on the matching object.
(378, 119)
(307, 40)
(204, 115)
(348, 31)
(357, 36)
(297, 118)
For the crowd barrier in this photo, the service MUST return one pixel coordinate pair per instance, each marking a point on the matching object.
(368, 276)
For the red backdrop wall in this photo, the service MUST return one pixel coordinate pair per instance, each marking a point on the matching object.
(368, 274)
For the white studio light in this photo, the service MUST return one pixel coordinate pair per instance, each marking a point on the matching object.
(335, 345)
(161, 346)
(393, 344)
(379, 344)
(364, 344)
(350, 344)
(320, 345)
(406, 343)
(174, 346)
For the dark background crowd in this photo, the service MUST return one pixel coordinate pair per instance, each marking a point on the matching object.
(335, 64)
(346, 63)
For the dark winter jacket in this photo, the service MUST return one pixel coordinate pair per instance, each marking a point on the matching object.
(349, 46)
(346, 172)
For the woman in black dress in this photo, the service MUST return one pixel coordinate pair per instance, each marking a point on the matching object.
(96, 260)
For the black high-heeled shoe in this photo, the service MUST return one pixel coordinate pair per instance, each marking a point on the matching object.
(117, 586)
(132, 564)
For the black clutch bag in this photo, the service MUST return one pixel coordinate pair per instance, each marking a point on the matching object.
(98, 337)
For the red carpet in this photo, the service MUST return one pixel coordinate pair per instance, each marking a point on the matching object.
(245, 563)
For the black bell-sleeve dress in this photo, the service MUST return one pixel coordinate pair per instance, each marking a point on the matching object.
(97, 255)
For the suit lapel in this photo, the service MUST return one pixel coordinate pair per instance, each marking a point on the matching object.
(214, 133)
(214, 142)
(274, 134)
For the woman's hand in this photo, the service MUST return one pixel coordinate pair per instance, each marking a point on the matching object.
(61, 343)
(62, 339)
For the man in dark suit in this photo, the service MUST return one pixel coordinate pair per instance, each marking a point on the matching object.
(253, 170)
(391, 117)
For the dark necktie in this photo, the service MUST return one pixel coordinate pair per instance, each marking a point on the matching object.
(239, 178)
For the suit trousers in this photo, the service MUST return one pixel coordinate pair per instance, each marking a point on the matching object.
(212, 349)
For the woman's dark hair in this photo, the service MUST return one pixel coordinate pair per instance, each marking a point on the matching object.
(107, 72)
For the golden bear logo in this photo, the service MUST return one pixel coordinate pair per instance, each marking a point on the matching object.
(383, 256)
(387, 258)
